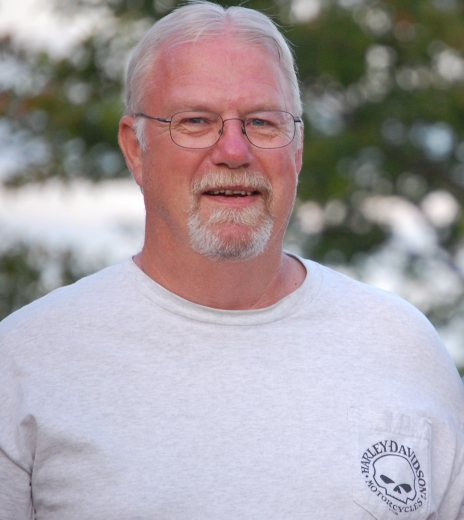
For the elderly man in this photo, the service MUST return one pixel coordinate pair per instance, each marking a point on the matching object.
(213, 376)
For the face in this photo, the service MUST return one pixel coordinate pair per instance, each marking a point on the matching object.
(231, 200)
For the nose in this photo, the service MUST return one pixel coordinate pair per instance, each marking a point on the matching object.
(233, 148)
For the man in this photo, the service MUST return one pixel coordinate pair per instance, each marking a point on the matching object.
(214, 376)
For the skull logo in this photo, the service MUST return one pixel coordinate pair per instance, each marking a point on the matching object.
(395, 474)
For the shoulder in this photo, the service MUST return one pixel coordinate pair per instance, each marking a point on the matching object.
(376, 323)
(67, 305)
(388, 334)
(388, 347)
(341, 295)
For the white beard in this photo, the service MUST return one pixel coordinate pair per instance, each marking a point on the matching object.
(207, 236)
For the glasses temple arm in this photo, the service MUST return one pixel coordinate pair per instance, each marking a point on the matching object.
(161, 119)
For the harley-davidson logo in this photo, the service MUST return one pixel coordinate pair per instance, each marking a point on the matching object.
(393, 472)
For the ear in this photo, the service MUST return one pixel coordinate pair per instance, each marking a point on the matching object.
(131, 148)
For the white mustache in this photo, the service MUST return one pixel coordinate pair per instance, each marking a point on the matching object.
(220, 179)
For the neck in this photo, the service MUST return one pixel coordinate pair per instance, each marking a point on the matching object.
(224, 284)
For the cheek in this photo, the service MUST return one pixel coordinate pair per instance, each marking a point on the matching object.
(285, 193)
(167, 182)
(285, 175)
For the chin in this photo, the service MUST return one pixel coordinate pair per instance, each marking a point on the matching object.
(229, 240)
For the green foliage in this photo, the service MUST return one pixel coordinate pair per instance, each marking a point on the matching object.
(19, 281)
(71, 108)
(28, 272)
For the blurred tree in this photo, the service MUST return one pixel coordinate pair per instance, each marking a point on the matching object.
(28, 272)
(382, 85)
(19, 281)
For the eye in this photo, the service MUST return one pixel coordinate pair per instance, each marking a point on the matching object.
(195, 121)
(258, 122)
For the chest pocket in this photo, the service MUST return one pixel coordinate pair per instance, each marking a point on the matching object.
(390, 457)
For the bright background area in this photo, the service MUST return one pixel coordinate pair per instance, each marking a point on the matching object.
(36, 23)
(103, 221)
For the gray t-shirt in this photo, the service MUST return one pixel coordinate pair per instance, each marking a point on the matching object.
(120, 400)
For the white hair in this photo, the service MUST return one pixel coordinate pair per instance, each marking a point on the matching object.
(200, 20)
(139, 127)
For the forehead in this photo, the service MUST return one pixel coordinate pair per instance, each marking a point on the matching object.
(220, 74)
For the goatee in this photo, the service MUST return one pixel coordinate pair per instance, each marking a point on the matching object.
(207, 234)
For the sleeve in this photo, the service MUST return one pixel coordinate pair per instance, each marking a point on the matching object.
(461, 513)
(458, 489)
(15, 491)
(452, 505)
(460, 499)
(16, 439)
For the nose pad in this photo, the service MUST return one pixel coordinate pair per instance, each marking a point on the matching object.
(221, 131)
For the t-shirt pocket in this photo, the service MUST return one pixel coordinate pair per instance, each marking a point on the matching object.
(390, 457)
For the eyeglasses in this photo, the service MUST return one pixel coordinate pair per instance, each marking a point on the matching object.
(201, 129)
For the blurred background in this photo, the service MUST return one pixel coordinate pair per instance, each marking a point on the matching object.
(382, 188)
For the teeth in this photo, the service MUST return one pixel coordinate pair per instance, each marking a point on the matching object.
(231, 192)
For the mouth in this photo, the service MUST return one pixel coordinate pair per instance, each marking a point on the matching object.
(238, 189)
(229, 192)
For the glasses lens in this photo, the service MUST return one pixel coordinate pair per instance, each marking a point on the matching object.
(270, 129)
(195, 129)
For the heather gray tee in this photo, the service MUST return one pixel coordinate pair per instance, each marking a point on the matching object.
(120, 400)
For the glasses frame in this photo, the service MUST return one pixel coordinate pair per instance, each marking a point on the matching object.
(221, 131)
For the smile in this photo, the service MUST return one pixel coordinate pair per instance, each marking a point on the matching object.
(232, 193)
